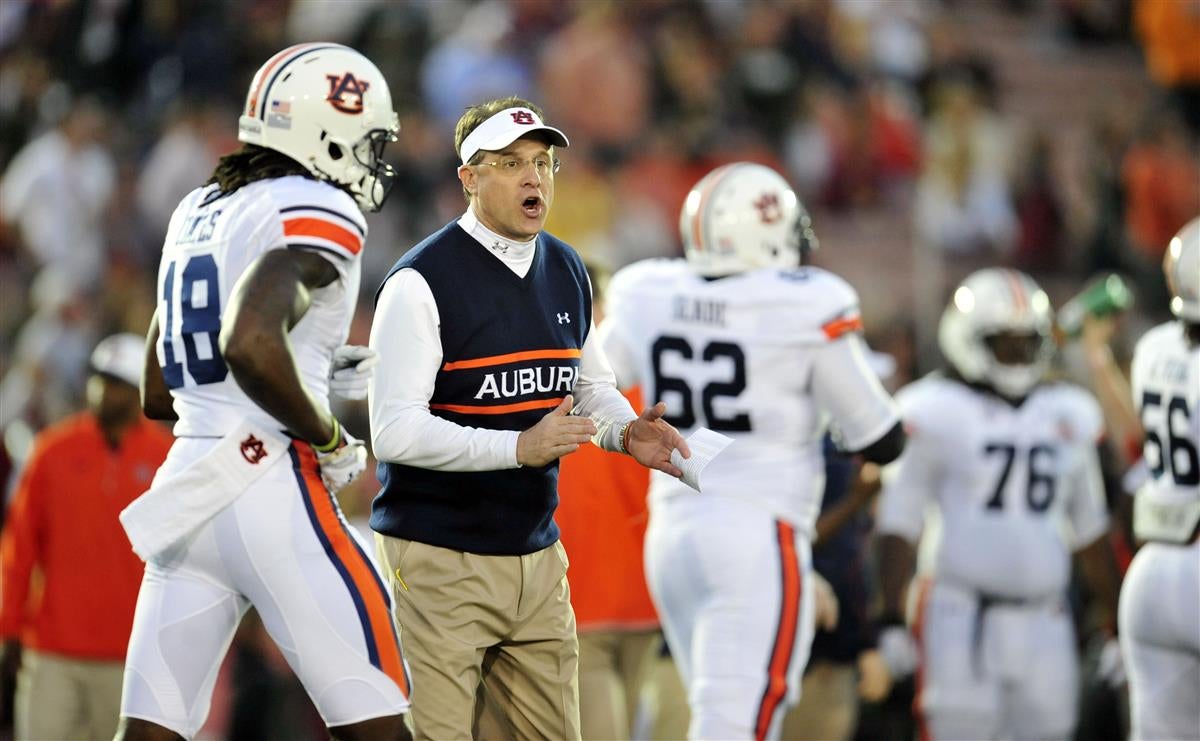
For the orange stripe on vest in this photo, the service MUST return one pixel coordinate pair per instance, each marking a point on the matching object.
(501, 409)
(515, 357)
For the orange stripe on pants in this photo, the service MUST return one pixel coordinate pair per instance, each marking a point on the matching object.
(378, 627)
(785, 633)
(925, 587)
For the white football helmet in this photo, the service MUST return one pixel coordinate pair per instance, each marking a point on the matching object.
(1181, 263)
(992, 302)
(744, 216)
(329, 108)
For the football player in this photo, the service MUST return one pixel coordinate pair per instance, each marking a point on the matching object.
(743, 338)
(257, 286)
(1010, 466)
(1160, 600)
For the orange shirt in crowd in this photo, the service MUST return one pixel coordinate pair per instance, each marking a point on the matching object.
(1161, 194)
(602, 515)
(1170, 32)
(63, 522)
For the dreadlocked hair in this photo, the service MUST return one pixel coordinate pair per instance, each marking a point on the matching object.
(251, 163)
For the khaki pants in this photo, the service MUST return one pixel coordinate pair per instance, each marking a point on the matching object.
(612, 667)
(828, 707)
(664, 705)
(503, 621)
(63, 698)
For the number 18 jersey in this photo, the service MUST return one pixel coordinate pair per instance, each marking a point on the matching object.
(767, 357)
(211, 241)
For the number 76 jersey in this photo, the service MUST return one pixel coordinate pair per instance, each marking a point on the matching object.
(1015, 488)
(211, 242)
(768, 357)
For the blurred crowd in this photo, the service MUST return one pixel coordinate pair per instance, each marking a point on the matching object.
(880, 112)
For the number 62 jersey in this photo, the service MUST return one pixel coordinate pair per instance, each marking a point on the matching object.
(211, 241)
(768, 357)
(1016, 487)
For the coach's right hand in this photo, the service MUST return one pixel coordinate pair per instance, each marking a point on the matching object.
(555, 435)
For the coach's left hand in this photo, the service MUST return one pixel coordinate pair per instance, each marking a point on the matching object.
(651, 440)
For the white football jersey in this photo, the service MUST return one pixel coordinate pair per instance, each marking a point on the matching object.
(1017, 489)
(1166, 389)
(211, 241)
(766, 357)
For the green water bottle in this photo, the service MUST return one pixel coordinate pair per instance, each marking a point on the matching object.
(1104, 295)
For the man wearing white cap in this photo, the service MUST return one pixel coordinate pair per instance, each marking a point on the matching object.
(70, 640)
(488, 375)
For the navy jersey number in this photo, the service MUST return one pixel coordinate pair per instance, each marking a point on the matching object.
(1039, 485)
(200, 314)
(1179, 456)
(731, 388)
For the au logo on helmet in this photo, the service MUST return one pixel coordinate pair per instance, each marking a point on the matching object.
(346, 92)
(769, 210)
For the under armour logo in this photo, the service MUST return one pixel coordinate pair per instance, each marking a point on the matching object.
(346, 84)
(768, 207)
(564, 318)
(253, 450)
(525, 118)
(499, 247)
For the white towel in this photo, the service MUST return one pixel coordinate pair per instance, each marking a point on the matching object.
(175, 507)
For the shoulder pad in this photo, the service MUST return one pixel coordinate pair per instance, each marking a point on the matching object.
(644, 273)
(319, 216)
(923, 404)
(1078, 410)
(824, 306)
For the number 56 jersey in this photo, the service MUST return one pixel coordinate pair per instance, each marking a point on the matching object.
(768, 357)
(211, 242)
(1166, 389)
(1015, 488)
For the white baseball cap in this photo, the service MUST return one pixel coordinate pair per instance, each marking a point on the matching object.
(120, 356)
(503, 129)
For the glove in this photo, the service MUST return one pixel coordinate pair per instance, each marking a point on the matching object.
(353, 366)
(899, 650)
(1110, 667)
(341, 466)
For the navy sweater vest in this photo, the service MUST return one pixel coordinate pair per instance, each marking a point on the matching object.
(510, 353)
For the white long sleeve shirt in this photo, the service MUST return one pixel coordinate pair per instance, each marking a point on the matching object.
(406, 334)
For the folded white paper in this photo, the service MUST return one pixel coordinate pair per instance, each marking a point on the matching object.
(705, 445)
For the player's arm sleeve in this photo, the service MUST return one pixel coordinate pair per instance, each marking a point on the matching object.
(844, 385)
(1087, 508)
(597, 397)
(403, 430)
(620, 354)
(910, 483)
(316, 218)
(19, 546)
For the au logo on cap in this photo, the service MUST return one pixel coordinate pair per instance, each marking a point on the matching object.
(525, 118)
(343, 85)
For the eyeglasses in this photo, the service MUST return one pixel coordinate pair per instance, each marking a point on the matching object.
(512, 166)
